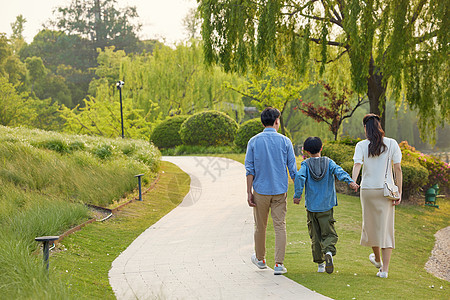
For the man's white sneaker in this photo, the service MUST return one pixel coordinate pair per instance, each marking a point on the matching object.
(259, 263)
(279, 269)
(377, 264)
(329, 263)
(321, 268)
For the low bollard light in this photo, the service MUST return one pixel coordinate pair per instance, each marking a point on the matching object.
(46, 241)
(140, 184)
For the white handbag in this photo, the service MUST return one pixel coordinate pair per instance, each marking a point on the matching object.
(390, 189)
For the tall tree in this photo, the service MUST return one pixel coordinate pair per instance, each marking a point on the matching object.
(169, 81)
(336, 110)
(398, 46)
(17, 38)
(100, 21)
(275, 89)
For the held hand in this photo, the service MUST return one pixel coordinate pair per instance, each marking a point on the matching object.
(297, 200)
(354, 186)
(250, 200)
(397, 202)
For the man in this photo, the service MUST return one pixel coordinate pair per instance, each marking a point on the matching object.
(268, 155)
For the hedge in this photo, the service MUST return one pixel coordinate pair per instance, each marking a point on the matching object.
(208, 128)
(167, 133)
(438, 171)
(246, 131)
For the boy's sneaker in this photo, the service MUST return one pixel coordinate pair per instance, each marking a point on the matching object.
(329, 263)
(279, 269)
(377, 264)
(259, 263)
(382, 274)
(321, 268)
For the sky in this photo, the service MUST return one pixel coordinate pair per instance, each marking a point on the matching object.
(160, 19)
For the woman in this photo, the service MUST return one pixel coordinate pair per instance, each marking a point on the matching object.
(378, 212)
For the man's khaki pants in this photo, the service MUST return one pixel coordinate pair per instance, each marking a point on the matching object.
(278, 207)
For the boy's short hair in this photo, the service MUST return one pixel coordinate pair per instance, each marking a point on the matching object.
(313, 144)
(269, 115)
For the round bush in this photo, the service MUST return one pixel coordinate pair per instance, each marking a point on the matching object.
(246, 131)
(167, 133)
(340, 153)
(208, 128)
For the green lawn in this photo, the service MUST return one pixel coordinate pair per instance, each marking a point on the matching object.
(91, 251)
(86, 256)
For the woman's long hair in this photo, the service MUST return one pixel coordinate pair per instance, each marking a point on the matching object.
(374, 134)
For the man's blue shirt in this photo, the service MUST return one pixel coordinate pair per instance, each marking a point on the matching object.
(268, 155)
(320, 195)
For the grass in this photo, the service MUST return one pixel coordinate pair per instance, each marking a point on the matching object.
(354, 276)
(45, 180)
(86, 256)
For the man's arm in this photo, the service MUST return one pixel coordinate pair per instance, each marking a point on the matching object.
(250, 199)
(250, 173)
(291, 162)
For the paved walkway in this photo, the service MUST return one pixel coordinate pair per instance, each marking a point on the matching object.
(202, 249)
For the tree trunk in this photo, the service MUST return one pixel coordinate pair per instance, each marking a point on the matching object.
(376, 92)
(283, 132)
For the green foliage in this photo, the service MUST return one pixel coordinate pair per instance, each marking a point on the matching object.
(274, 88)
(169, 82)
(101, 116)
(45, 180)
(398, 47)
(415, 177)
(209, 128)
(101, 22)
(437, 170)
(347, 141)
(167, 133)
(190, 150)
(246, 131)
(340, 153)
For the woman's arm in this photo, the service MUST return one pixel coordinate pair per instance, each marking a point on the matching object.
(398, 175)
(355, 171)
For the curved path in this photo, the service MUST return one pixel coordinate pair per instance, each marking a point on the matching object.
(202, 248)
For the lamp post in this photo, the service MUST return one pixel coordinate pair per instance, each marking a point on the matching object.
(119, 87)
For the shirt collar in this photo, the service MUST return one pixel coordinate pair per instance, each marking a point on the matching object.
(270, 129)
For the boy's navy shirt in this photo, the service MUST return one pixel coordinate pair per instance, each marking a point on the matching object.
(320, 195)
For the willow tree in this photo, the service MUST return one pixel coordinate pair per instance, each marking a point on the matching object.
(396, 46)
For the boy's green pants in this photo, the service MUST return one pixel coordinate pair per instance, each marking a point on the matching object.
(322, 233)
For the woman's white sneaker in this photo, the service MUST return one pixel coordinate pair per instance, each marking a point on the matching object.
(377, 264)
(382, 274)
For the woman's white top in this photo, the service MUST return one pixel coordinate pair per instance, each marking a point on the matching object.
(374, 167)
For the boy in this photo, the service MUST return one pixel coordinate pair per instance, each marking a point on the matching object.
(317, 174)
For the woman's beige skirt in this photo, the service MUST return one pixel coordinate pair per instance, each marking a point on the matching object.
(378, 219)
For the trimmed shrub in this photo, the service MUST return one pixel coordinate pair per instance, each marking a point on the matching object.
(167, 133)
(189, 150)
(438, 171)
(246, 131)
(340, 153)
(208, 128)
(414, 177)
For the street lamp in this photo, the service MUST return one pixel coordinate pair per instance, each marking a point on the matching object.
(119, 87)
